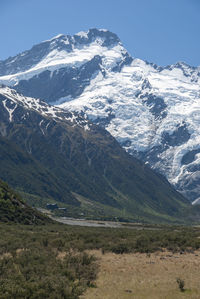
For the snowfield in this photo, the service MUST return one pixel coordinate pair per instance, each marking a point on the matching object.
(154, 112)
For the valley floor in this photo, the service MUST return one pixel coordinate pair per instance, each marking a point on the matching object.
(142, 276)
(65, 261)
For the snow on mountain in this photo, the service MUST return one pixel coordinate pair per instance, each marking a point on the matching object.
(12, 101)
(60, 156)
(154, 112)
(67, 51)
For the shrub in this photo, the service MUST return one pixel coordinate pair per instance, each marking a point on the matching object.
(181, 284)
(120, 249)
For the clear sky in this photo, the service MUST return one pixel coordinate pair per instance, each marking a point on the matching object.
(159, 31)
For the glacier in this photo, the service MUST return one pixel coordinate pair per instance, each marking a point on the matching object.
(153, 111)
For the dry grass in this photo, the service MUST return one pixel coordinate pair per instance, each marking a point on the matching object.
(6, 255)
(61, 255)
(143, 276)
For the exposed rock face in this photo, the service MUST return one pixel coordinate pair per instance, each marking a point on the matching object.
(60, 155)
(154, 112)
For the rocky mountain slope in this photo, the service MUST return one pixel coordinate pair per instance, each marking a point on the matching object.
(62, 157)
(153, 111)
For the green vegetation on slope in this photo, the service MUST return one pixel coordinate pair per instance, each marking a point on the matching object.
(114, 184)
(24, 173)
(14, 209)
(84, 170)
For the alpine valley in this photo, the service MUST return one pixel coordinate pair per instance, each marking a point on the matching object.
(61, 147)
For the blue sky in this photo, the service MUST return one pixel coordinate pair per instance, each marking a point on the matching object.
(159, 31)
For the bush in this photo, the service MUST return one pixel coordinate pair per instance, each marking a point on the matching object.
(181, 284)
(120, 249)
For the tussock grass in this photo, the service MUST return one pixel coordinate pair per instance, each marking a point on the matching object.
(142, 276)
(56, 261)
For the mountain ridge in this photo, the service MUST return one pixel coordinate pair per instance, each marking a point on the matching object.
(152, 111)
(80, 167)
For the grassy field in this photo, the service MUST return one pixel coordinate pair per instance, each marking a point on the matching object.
(142, 276)
(60, 261)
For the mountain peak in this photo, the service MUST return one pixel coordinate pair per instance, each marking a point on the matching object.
(66, 51)
(58, 48)
(182, 65)
(109, 37)
(89, 34)
(105, 37)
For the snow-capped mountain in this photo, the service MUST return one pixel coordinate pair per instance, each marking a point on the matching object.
(154, 112)
(61, 156)
(12, 103)
(62, 67)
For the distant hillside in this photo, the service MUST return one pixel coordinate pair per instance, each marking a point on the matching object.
(62, 157)
(13, 209)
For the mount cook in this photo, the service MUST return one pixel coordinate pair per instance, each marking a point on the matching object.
(154, 112)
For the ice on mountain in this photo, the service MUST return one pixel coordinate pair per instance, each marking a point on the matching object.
(142, 105)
